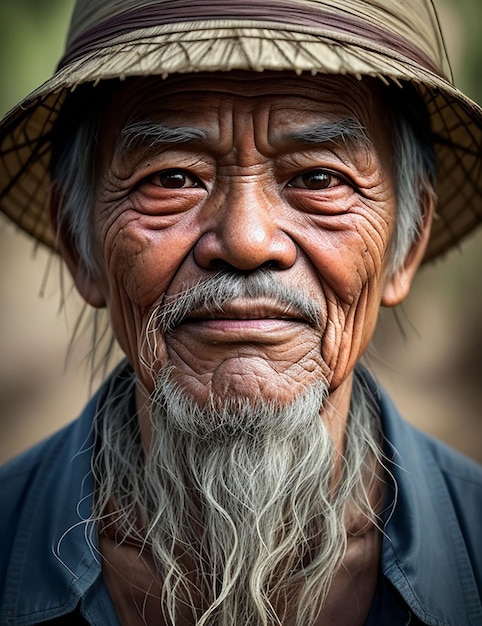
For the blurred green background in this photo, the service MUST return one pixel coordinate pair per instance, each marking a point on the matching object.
(428, 353)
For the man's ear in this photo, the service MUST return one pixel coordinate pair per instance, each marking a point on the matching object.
(92, 287)
(397, 286)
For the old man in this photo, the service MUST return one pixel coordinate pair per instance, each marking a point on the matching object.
(242, 187)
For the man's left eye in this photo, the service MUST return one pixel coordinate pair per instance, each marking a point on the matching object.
(315, 180)
(175, 179)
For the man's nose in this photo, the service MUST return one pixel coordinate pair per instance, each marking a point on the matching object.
(244, 233)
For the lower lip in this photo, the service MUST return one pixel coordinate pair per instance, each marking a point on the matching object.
(241, 329)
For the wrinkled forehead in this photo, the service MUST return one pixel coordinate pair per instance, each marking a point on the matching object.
(276, 103)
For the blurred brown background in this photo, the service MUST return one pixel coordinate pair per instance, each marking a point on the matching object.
(432, 367)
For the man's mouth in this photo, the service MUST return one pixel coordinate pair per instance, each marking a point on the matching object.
(246, 311)
(243, 319)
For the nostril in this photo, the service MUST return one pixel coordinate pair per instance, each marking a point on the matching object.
(222, 265)
(270, 265)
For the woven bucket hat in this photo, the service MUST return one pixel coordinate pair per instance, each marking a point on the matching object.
(392, 40)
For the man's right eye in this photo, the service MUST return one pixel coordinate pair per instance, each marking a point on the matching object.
(174, 179)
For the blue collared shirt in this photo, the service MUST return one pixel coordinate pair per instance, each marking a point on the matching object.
(431, 566)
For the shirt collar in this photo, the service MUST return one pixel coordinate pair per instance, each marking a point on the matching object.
(55, 559)
(424, 553)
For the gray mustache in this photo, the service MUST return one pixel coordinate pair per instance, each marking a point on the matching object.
(212, 294)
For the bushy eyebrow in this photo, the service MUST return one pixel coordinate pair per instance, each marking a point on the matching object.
(348, 131)
(151, 134)
(148, 134)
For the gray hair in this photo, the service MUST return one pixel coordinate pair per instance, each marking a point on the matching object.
(414, 166)
(76, 145)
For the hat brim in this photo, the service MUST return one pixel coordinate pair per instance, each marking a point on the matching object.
(213, 46)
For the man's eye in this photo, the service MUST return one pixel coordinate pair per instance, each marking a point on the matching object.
(175, 179)
(315, 179)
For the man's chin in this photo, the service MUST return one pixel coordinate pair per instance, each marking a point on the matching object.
(235, 409)
(255, 381)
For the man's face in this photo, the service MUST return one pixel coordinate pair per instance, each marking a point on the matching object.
(271, 172)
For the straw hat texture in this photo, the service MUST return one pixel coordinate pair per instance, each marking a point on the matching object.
(393, 40)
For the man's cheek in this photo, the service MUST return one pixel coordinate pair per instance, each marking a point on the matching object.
(348, 334)
(132, 271)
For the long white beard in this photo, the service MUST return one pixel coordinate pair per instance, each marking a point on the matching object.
(236, 502)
